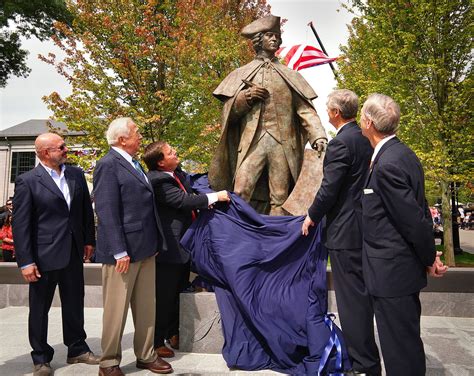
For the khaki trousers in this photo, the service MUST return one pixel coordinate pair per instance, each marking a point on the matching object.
(136, 289)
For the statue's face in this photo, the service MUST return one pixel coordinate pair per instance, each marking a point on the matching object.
(271, 41)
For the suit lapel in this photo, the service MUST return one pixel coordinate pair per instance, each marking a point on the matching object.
(384, 147)
(47, 181)
(184, 181)
(131, 169)
(70, 182)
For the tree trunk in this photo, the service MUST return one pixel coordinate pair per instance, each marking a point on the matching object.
(447, 224)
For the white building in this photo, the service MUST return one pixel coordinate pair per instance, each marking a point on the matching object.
(17, 150)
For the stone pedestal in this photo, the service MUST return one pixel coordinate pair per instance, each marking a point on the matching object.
(200, 323)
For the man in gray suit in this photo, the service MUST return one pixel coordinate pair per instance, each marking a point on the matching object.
(129, 235)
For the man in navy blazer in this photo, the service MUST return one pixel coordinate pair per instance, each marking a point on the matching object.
(345, 168)
(129, 235)
(177, 208)
(399, 247)
(53, 227)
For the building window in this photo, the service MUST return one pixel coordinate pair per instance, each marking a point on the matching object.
(22, 161)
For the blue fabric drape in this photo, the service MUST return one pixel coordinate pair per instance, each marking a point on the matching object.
(270, 285)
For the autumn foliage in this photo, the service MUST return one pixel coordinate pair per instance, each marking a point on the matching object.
(155, 61)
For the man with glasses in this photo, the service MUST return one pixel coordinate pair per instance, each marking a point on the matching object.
(53, 227)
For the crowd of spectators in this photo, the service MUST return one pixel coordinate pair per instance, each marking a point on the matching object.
(6, 236)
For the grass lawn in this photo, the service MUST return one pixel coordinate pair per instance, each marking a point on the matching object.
(466, 259)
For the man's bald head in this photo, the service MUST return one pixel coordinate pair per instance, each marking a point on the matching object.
(51, 149)
(46, 140)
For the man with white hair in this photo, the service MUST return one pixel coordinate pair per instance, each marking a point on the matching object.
(53, 227)
(129, 235)
(398, 244)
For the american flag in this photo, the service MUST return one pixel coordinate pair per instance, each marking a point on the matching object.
(302, 56)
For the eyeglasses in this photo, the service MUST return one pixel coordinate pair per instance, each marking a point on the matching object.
(61, 147)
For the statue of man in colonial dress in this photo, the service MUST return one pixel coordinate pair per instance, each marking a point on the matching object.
(267, 119)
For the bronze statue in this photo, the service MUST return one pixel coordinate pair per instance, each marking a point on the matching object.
(267, 119)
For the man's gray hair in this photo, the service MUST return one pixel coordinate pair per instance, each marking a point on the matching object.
(118, 128)
(346, 101)
(384, 113)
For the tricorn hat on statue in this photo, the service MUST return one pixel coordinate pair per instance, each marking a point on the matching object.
(262, 25)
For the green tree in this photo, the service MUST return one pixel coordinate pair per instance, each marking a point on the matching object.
(25, 18)
(420, 53)
(155, 61)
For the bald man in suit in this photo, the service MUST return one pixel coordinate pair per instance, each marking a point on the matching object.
(53, 228)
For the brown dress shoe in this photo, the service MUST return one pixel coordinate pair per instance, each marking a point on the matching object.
(110, 371)
(174, 342)
(157, 366)
(164, 352)
(87, 358)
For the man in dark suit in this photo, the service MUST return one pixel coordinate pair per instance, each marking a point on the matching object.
(398, 248)
(129, 235)
(345, 168)
(177, 208)
(53, 228)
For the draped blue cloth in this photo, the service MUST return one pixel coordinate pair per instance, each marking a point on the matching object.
(270, 285)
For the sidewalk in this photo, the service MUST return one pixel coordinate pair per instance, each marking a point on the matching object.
(466, 240)
(448, 344)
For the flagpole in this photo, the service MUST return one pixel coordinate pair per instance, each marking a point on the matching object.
(322, 47)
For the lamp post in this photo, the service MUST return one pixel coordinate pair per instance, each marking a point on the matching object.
(455, 213)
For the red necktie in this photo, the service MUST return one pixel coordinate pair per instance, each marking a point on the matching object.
(193, 213)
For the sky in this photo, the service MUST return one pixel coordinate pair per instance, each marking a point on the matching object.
(21, 99)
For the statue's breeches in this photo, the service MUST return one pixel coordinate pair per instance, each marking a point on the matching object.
(266, 152)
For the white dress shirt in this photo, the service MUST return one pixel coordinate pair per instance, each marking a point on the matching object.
(129, 159)
(121, 253)
(379, 146)
(60, 181)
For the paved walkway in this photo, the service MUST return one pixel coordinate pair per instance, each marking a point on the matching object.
(466, 240)
(448, 344)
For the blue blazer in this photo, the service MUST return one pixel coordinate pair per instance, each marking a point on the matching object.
(44, 229)
(346, 165)
(397, 225)
(127, 217)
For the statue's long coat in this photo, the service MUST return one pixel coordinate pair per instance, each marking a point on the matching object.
(226, 157)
